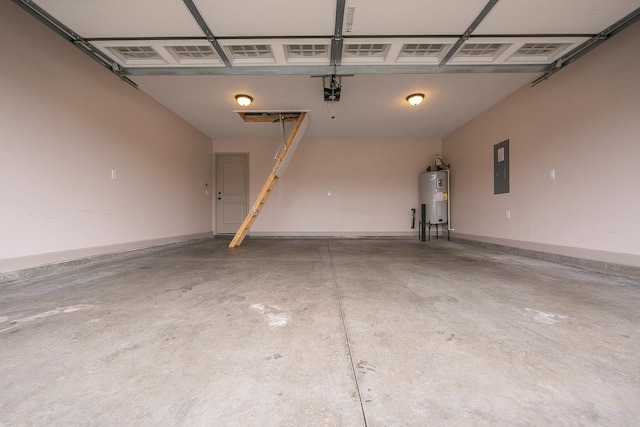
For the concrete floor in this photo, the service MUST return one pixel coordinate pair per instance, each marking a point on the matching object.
(321, 333)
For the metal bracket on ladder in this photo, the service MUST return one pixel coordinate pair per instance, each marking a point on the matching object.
(282, 160)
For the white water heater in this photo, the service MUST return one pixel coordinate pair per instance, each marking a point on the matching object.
(434, 194)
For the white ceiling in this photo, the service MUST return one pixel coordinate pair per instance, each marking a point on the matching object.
(371, 106)
(457, 86)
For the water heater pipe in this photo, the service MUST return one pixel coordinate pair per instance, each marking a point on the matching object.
(448, 201)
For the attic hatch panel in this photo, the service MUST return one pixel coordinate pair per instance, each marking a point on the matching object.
(267, 116)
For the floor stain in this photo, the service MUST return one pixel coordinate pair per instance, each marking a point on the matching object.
(58, 310)
(542, 317)
(228, 299)
(363, 364)
(274, 356)
(275, 316)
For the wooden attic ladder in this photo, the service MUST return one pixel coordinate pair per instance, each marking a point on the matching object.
(282, 159)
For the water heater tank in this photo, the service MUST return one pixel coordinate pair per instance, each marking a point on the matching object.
(434, 194)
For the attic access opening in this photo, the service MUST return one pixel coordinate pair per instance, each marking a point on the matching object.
(283, 157)
(268, 116)
(299, 120)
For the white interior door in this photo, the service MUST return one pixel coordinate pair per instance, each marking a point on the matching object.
(232, 191)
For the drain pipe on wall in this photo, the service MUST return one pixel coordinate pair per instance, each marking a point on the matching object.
(448, 167)
(449, 201)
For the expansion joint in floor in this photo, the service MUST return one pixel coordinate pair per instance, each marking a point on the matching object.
(346, 331)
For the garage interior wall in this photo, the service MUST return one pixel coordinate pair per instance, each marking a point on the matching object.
(65, 124)
(373, 186)
(583, 124)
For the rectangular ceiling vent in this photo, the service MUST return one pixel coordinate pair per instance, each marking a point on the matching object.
(422, 50)
(490, 50)
(250, 54)
(196, 54)
(365, 52)
(137, 55)
(538, 52)
(251, 51)
(422, 53)
(307, 51)
(479, 52)
(540, 49)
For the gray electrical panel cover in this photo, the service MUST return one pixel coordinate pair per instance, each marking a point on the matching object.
(501, 167)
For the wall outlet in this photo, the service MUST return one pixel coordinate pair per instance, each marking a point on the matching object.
(552, 174)
(328, 193)
(508, 214)
(114, 174)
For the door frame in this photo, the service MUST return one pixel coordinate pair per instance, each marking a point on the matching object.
(216, 189)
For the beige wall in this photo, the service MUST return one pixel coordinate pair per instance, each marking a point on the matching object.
(374, 185)
(585, 123)
(65, 123)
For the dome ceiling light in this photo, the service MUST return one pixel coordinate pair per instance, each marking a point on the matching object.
(415, 98)
(244, 100)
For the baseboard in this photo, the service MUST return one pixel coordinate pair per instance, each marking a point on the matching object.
(600, 261)
(12, 269)
(335, 234)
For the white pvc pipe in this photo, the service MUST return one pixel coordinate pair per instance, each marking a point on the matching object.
(449, 201)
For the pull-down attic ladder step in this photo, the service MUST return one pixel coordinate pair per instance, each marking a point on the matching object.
(282, 160)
